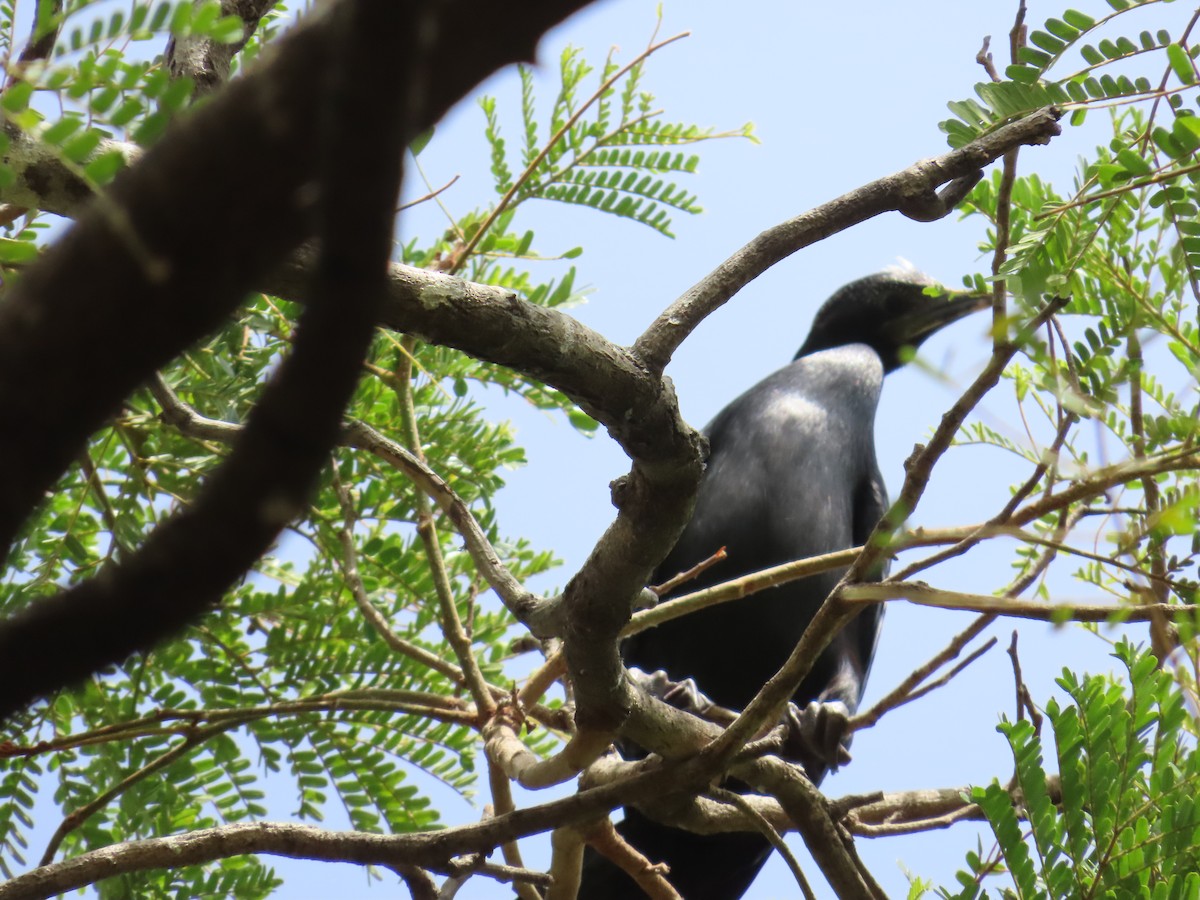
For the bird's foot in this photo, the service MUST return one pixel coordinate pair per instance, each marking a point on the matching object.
(817, 735)
(683, 695)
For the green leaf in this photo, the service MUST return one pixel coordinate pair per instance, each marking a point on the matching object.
(228, 30)
(17, 252)
(1181, 64)
(1133, 162)
(422, 140)
(16, 98)
(582, 422)
(105, 166)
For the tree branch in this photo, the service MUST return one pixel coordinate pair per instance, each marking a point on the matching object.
(539, 615)
(907, 190)
(207, 62)
(923, 595)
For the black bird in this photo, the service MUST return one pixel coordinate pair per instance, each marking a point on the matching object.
(791, 474)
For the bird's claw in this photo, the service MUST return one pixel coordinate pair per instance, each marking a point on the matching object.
(818, 735)
(684, 695)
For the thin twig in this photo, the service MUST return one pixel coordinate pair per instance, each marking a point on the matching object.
(924, 595)
(984, 58)
(422, 199)
(1025, 702)
(903, 692)
(451, 623)
(349, 566)
(1163, 637)
(85, 812)
(539, 614)
(768, 831)
(502, 803)
(737, 588)
(464, 252)
(694, 572)
(535, 611)
(542, 678)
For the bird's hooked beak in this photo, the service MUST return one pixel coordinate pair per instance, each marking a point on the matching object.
(935, 314)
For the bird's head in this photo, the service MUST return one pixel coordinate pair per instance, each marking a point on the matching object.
(889, 312)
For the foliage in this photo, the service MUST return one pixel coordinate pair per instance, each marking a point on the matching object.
(1113, 382)
(1127, 822)
(1120, 246)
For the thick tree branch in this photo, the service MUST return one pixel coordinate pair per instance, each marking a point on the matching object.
(434, 850)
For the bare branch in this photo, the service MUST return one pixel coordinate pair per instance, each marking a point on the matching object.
(525, 767)
(502, 803)
(907, 690)
(767, 830)
(923, 595)
(911, 190)
(451, 624)
(649, 877)
(694, 572)
(566, 863)
(373, 616)
(1025, 702)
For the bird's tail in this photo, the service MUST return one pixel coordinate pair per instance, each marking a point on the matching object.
(703, 867)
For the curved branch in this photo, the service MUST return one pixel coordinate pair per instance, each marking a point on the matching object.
(911, 191)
